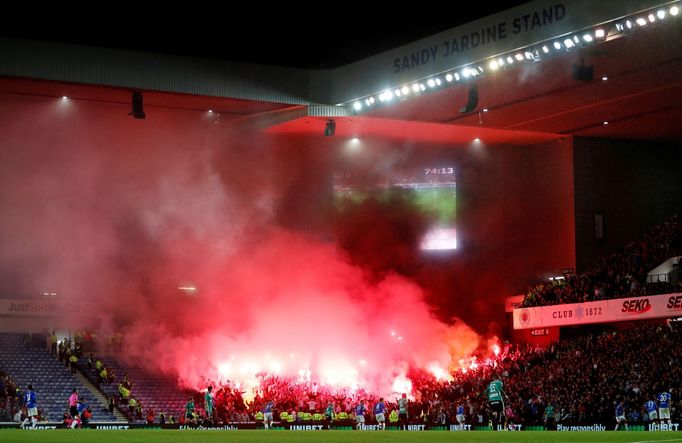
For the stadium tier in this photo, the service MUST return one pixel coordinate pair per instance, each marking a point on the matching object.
(27, 362)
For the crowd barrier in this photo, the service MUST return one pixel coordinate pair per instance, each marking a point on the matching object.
(575, 427)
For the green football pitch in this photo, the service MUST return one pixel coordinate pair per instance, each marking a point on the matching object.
(151, 436)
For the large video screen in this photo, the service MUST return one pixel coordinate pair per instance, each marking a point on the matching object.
(431, 191)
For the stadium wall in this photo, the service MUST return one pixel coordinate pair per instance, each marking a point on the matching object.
(634, 184)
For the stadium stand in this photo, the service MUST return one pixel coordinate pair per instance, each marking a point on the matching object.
(28, 362)
(581, 377)
(622, 274)
(152, 391)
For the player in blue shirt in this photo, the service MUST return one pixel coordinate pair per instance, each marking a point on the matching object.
(664, 406)
(82, 408)
(30, 401)
(267, 414)
(650, 408)
(360, 415)
(380, 413)
(620, 415)
(460, 414)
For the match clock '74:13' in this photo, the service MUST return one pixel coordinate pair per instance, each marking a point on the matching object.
(428, 171)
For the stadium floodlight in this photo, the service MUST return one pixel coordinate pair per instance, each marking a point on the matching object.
(579, 39)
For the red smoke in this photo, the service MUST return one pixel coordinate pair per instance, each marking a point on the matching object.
(115, 214)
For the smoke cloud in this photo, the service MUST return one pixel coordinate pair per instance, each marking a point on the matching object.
(116, 214)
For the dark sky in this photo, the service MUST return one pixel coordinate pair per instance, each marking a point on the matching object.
(319, 36)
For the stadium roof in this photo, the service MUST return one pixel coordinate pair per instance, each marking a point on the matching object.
(640, 96)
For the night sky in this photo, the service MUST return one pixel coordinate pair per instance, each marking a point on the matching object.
(322, 37)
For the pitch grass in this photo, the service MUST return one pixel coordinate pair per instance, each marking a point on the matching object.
(171, 436)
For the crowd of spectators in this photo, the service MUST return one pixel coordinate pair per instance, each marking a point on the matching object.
(10, 398)
(623, 274)
(582, 378)
(100, 373)
(12, 407)
(124, 399)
